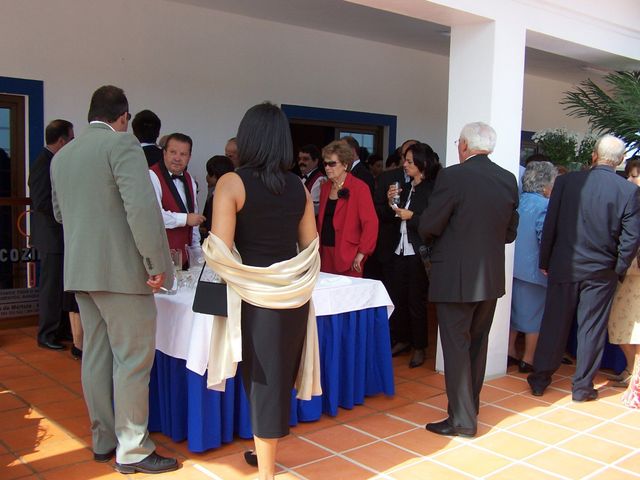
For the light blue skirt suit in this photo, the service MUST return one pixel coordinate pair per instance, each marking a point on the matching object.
(529, 284)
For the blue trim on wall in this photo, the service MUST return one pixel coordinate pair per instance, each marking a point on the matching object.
(34, 89)
(525, 135)
(298, 112)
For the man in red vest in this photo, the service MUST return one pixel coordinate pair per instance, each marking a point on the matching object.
(176, 192)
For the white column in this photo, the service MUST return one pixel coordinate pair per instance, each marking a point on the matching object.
(486, 73)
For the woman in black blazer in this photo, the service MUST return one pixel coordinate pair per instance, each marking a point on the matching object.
(410, 284)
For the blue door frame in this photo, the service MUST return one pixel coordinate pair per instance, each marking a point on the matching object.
(298, 112)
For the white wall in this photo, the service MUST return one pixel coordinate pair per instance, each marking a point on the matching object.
(199, 69)
(542, 107)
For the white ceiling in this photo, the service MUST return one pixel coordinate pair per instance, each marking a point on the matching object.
(345, 18)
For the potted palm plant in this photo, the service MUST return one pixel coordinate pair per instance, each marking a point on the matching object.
(613, 108)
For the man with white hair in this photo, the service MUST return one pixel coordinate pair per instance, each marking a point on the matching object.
(590, 236)
(471, 215)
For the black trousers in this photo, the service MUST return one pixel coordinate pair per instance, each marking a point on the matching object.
(50, 295)
(589, 302)
(409, 294)
(464, 332)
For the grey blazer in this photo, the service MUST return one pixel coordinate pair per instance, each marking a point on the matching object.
(471, 215)
(114, 236)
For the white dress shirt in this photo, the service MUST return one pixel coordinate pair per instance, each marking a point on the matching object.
(315, 188)
(176, 219)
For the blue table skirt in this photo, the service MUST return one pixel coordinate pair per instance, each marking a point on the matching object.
(355, 359)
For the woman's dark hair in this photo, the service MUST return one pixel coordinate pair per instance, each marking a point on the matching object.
(264, 143)
(425, 159)
(633, 162)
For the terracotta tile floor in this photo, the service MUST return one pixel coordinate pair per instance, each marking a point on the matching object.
(44, 431)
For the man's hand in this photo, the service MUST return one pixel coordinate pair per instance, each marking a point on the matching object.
(195, 219)
(544, 272)
(156, 281)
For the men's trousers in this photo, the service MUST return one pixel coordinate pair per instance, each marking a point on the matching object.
(50, 296)
(589, 302)
(118, 353)
(464, 332)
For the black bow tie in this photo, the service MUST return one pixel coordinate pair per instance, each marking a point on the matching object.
(176, 177)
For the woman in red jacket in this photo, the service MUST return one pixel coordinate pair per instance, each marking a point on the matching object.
(347, 220)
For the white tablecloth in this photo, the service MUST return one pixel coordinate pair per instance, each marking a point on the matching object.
(181, 333)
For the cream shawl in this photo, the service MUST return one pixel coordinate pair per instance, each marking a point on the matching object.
(283, 285)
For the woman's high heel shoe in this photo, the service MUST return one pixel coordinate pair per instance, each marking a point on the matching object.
(251, 458)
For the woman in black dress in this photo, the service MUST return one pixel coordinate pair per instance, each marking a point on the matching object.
(266, 211)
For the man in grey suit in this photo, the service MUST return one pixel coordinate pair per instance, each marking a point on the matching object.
(116, 256)
(590, 237)
(471, 215)
(47, 237)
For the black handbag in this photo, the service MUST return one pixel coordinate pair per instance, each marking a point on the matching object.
(210, 297)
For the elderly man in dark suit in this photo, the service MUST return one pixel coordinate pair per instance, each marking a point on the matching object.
(471, 215)
(47, 236)
(590, 236)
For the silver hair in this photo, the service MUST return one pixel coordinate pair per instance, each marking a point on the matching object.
(479, 136)
(610, 150)
(538, 176)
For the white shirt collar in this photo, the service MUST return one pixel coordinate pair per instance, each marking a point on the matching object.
(104, 123)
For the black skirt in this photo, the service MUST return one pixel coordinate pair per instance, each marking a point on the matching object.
(272, 342)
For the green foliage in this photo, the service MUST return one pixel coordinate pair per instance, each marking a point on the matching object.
(615, 110)
(583, 157)
(557, 144)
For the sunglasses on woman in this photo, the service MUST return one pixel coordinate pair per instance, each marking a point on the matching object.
(330, 163)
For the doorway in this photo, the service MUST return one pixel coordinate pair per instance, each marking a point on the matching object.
(21, 139)
(12, 190)
(320, 126)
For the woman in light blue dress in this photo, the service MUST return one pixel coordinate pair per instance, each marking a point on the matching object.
(529, 284)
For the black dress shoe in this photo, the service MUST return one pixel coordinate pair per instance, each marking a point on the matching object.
(76, 353)
(417, 358)
(524, 367)
(399, 348)
(104, 457)
(154, 463)
(251, 458)
(592, 395)
(445, 428)
(536, 390)
(51, 345)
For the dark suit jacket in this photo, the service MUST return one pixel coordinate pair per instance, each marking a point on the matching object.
(471, 215)
(355, 222)
(592, 225)
(46, 232)
(419, 201)
(153, 154)
(362, 172)
(387, 230)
